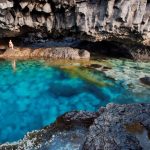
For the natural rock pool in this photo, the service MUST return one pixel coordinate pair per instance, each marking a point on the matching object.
(34, 93)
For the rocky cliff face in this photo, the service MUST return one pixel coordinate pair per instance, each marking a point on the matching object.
(99, 19)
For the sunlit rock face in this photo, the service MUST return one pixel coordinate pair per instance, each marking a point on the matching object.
(101, 19)
(55, 53)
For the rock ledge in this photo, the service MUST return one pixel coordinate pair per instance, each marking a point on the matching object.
(114, 127)
(54, 53)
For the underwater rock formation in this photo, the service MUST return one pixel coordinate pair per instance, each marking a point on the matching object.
(114, 127)
(55, 53)
(97, 19)
(145, 80)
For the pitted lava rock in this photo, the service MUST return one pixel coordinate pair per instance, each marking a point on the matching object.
(109, 128)
(108, 131)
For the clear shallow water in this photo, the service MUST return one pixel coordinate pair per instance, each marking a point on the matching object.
(34, 94)
(70, 140)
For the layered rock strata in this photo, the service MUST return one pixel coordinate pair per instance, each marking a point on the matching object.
(114, 127)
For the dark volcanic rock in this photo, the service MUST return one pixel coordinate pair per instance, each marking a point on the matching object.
(109, 132)
(124, 24)
(100, 20)
(145, 80)
(79, 118)
(40, 139)
(116, 127)
(117, 48)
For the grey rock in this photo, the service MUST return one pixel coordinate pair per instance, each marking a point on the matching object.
(101, 20)
(115, 127)
(9, 19)
(109, 131)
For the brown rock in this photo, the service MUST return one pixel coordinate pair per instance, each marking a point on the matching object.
(55, 53)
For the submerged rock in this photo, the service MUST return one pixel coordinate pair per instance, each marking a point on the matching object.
(57, 52)
(114, 127)
(145, 80)
(95, 66)
(99, 67)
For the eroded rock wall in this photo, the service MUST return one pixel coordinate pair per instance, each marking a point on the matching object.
(101, 19)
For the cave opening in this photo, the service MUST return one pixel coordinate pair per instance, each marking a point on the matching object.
(106, 48)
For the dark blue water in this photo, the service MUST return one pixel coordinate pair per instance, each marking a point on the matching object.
(33, 94)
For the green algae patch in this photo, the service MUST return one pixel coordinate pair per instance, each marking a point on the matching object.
(82, 69)
(67, 63)
(89, 75)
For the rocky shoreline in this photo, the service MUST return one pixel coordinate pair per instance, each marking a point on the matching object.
(114, 127)
(54, 53)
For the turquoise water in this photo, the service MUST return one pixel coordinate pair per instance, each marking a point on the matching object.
(33, 94)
